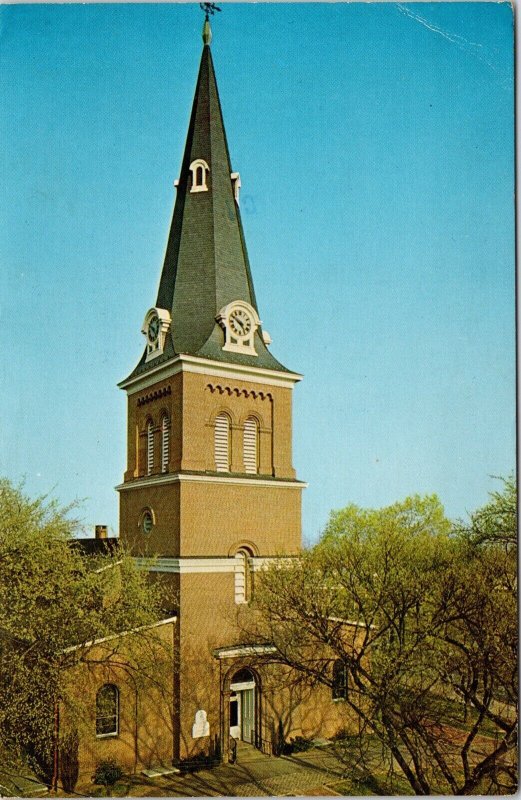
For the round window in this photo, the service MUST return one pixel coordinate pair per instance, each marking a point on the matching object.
(147, 522)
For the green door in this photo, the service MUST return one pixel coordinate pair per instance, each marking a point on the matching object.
(248, 715)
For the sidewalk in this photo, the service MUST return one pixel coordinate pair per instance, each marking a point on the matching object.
(313, 773)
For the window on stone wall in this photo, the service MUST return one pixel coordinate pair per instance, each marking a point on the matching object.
(339, 685)
(107, 710)
(251, 445)
(222, 442)
(165, 442)
(150, 448)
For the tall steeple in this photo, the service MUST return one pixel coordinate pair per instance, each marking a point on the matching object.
(209, 487)
(206, 266)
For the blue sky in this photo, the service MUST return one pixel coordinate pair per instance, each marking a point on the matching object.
(375, 146)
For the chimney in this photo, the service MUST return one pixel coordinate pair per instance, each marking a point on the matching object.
(101, 532)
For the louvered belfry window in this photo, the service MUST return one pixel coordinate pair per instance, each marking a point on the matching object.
(150, 448)
(165, 443)
(251, 445)
(222, 443)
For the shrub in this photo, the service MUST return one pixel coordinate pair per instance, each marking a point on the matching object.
(340, 735)
(107, 773)
(297, 745)
(300, 745)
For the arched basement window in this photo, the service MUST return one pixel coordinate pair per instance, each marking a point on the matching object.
(150, 448)
(222, 441)
(251, 445)
(107, 710)
(165, 442)
(339, 686)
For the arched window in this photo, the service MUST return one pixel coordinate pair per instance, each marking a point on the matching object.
(244, 675)
(107, 710)
(242, 576)
(339, 685)
(150, 448)
(222, 443)
(199, 169)
(165, 443)
(251, 445)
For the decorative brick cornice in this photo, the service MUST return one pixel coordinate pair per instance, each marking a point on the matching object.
(204, 366)
(183, 566)
(155, 395)
(201, 477)
(238, 392)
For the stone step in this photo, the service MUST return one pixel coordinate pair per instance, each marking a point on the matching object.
(158, 772)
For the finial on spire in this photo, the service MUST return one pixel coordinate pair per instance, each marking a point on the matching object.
(209, 9)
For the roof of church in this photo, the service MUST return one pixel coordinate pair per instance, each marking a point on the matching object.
(95, 546)
(206, 263)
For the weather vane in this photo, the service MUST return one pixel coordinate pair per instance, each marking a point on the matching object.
(209, 8)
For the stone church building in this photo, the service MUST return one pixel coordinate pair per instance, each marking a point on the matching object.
(209, 490)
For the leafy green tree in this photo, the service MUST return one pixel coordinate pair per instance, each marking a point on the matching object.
(478, 603)
(54, 601)
(496, 522)
(425, 626)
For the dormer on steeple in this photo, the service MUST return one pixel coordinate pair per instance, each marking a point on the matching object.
(155, 327)
(239, 322)
(236, 182)
(199, 169)
(206, 267)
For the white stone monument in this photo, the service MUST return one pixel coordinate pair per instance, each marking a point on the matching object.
(201, 726)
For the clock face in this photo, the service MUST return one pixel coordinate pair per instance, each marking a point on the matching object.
(153, 329)
(240, 322)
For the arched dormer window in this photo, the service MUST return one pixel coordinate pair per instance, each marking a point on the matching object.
(150, 447)
(222, 442)
(243, 578)
(107, 710)
(251, 445)
(199, 169)
(165, 442)
(236, 185)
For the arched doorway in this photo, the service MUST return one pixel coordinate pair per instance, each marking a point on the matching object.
(242, 706)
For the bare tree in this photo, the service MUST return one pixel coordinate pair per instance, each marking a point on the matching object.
(425, 623)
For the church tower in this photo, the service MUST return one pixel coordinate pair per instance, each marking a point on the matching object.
(209, 488)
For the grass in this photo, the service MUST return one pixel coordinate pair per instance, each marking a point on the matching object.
(120, 789)
(370, 786)
(373, 778)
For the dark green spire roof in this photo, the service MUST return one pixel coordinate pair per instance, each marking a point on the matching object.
(206, 263)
